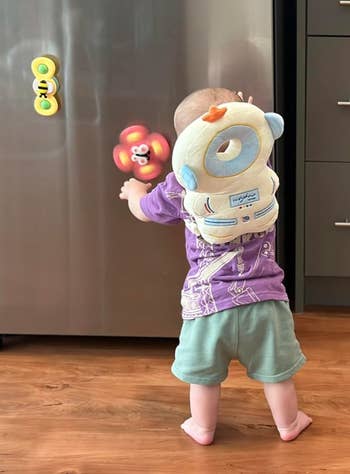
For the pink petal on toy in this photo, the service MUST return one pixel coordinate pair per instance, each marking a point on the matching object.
(122, 158)
(160, 146)
(133, 134)
(148, 172)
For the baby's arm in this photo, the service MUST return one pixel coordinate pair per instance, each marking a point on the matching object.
(133, 191)
(162, 204)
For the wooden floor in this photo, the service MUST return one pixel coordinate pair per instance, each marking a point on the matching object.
(108, 406)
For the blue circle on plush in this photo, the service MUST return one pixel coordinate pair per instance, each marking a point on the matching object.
(248, 154)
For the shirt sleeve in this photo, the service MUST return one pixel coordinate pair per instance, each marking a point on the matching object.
(163, 203)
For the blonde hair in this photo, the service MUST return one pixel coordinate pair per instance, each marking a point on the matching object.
(197, 103)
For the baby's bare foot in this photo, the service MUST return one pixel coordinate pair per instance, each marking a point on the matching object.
(199, 434)
(301, 422)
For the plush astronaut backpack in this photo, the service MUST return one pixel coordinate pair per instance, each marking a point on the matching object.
(229, 191)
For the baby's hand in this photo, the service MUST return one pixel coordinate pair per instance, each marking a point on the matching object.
(133, 187)
(250, 99)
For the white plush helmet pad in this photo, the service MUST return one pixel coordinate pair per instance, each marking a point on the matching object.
(229, 192)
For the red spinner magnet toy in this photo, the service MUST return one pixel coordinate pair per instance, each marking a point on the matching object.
(141, 152)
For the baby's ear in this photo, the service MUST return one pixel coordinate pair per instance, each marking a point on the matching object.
(276, 124)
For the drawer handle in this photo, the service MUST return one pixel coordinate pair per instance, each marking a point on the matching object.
(344, 3)
(346, 223)
(340, 102)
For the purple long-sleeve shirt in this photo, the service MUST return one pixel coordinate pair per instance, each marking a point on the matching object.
(220, 276)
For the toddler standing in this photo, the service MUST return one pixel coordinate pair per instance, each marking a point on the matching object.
(234, 303)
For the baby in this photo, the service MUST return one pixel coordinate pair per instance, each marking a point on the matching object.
(234, 303)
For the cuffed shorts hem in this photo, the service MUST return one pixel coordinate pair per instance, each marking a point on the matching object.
(212, 380)
(287, 374)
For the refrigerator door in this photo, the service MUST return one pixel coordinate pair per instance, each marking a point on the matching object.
(73, 260)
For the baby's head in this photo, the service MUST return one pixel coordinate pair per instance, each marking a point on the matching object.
(198, 103)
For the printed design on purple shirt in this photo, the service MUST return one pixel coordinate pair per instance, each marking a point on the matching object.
(242, 293)
(189, 220)
(240, 290)
(197, 294)
(180, 196)
(240, 261)
(176, 195)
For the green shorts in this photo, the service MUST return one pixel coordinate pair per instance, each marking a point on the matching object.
(260, 335)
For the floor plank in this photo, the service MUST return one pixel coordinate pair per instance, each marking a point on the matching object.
(107, 406)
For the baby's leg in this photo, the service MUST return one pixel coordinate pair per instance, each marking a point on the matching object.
(204, 401)
(282, 399)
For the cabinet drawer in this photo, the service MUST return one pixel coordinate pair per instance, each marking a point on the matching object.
(328, 82)
(327, 247)
(328, 17)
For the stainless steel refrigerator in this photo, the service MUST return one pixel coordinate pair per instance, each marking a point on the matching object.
(72, 259)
